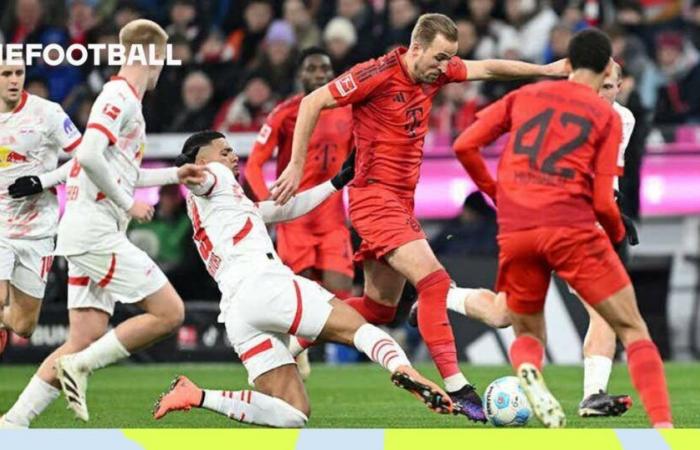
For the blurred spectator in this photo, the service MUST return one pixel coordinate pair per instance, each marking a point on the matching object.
(532, 21)
(361, 16)
(402, 16)
(248, 110)
(214, 49)
(183, 21)
(307, 32)
(277, 60)
(126, 11)
(340, 38)
(473, 232)
(466, 38)
(496, 38)
(558, 45)
(98, 75)
(197, 111)
(245, 40)
(453, 111)
(37, 86)
(693, 20)
(81, 19)
(28, 25)
(679, 80)
(82, 112)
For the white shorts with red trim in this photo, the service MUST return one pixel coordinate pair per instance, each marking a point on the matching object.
(97, 280)
(266, 310)
(26, 263)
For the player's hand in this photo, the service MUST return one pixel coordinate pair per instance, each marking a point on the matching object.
(630, 231)
(286, 185)
(557, 69)
(191, 174)
(346, 173)
(24, 186)
(141, 212)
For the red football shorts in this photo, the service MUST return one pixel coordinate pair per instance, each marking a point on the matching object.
(301, 250)
(583, 257)
(383, 219)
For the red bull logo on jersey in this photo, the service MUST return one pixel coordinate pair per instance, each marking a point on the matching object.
(9, 157)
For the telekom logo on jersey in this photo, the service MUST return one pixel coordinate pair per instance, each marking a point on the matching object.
(78, 55)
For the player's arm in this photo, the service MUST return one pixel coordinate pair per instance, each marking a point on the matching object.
(264, 146)
(34, 184)
(309, 110)
(492, 122)
(306, 201)
(504, 69)
(186, 174)
(605, 167)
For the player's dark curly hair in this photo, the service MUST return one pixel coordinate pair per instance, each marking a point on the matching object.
(590, 49)
(192, 145)
(311, 51)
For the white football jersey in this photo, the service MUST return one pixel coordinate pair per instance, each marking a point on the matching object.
(91, 221)
(628, 122)
(230, 233)
(30, 138)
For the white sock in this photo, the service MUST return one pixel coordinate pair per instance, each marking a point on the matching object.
(33, 400)
(294, 347)
(455, 382)
(380, 347)
(103, 352)
(456, 297)
(254, 407)
(596, 373)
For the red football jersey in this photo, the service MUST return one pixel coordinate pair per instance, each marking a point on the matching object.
(329, 146)
(561, 135)
(390, 118)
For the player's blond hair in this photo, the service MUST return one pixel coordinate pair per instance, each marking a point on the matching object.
(430, 25)
(142, 32)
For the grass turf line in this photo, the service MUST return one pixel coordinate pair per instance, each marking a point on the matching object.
(348, 396)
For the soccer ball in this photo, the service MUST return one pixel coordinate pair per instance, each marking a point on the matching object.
(506, 404)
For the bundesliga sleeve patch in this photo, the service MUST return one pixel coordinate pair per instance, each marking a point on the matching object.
(345, 85)
(111, 111)
(264, 134)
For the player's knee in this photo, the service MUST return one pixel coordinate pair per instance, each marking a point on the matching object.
(500, 317)
(24, 327)
(174, 318)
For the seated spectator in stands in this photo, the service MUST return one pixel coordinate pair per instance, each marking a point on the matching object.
(245, 40)
(277, 60)
(473, 232)
(679, 88)
(495, 37)
(214, 49)
(402, 16)
(127, 10)
(248, 110)
(81, 20)
(558, 45)
(340, 38)
(299, 17)
(183, 21)
(37, 86)
(467, 39)
(197, 110)
(532, 21)
(361, 16)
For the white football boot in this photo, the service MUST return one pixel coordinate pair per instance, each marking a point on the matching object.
(74, 381)
(543, 403)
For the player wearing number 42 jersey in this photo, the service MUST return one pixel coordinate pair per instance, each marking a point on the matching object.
(391, 99)
(557, 212)
(263, 302)
(32, 131)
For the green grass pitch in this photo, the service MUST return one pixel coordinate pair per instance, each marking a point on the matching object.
(348, 396)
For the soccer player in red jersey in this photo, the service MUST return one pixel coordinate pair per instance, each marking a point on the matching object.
(555, 185)
(316, 245)
(391, 99)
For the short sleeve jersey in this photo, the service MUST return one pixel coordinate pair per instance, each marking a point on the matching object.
(91, 221)
(562, 134)
(390, 118)
(229, 232)
(328, 148)
(30, 138)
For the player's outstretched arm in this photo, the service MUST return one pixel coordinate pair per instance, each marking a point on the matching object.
(34, 184)
(186, 174)
(505, 69)
(309, 109)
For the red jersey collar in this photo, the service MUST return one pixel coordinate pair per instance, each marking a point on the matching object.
(133, 89)
(22, 102)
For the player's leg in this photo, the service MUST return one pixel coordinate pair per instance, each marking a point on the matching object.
(21, 313)
(4, 293)
(483, 305)
(598, 354)
(643, 359)
(382, 292)
(86, 325)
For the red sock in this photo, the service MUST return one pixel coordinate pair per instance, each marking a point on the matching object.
(647, 373)
(433, 323)
(373, 312)
(526, 349)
